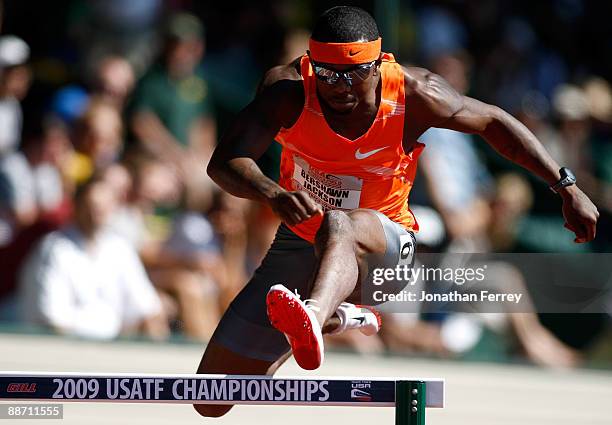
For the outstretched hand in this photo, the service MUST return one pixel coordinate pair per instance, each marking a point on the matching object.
(294, 207)
(580, 214)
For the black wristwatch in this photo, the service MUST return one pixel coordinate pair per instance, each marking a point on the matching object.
(567, 179)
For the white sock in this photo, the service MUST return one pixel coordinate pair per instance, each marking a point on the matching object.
(353, 317)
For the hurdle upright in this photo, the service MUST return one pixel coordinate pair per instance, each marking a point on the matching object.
(409, 397)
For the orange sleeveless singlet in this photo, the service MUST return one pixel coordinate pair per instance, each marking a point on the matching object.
(371, 171)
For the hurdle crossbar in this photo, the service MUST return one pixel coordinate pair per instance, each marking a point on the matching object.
(408, 396)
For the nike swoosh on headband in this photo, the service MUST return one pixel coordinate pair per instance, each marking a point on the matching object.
(365, 155)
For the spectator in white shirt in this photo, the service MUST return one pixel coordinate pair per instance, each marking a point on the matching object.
(85, 281)
(17, 202)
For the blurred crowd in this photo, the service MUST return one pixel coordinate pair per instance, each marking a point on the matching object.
(110, 111)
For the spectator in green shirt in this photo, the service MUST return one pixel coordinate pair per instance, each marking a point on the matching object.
(171, 111)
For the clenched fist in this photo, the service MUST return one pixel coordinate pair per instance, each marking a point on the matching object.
(294, 207)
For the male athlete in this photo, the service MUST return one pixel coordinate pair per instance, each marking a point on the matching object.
(348, 117)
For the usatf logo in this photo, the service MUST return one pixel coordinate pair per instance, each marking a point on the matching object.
(21, 388)
(357, 390)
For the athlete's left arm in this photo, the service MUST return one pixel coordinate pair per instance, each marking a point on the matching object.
(432, 102)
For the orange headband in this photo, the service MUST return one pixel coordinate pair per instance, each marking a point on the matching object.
(345, 53)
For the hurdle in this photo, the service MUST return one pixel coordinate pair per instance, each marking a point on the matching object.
(409, 397)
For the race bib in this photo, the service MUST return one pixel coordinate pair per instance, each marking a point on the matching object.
(331, 191)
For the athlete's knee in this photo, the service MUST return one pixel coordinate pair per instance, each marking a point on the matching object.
(336, 225)
(212, 410)
(336, 222)
(335, 217)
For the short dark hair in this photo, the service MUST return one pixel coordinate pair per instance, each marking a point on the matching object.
(345, 24)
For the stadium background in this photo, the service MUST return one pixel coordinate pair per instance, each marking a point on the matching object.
(88, 80)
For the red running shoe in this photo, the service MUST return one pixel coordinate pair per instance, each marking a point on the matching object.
(291, 316)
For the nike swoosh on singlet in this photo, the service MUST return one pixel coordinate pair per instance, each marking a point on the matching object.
(365, 155)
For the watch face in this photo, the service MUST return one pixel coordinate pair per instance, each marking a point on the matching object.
(569, 175)
(567, 179)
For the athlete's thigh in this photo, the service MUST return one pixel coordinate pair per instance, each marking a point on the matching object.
(368, 232)
(385, 245)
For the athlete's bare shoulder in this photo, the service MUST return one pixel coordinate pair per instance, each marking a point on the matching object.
(290, 72)
(281, 93)
(432, 92)
(430, 100)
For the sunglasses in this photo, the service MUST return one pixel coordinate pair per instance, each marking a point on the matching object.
(351, 76)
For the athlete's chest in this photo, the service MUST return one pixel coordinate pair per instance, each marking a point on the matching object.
(380, 140)
(354, 132)
(354, 129)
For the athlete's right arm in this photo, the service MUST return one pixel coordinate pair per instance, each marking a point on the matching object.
(278, 104)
